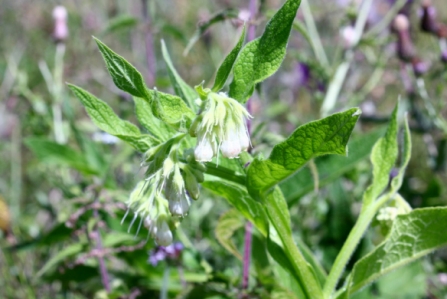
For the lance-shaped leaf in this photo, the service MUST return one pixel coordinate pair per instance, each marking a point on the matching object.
(183, 90)
(228, 223)
(262, 57)
(412, 236)
(124, 75)
(326, 136)
(227, 65)
(383, 158)
(104, 117)
(239, 198)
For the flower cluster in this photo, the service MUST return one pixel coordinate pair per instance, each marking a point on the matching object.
(165, 196)
(168, 253)
(221, 125)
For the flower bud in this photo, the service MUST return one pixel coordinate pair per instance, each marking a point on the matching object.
(60, 32)
(161, 232)
(419, 67)
(348, 36)
(405, 48)
(204, 151)
(191, 184)
(428, 19)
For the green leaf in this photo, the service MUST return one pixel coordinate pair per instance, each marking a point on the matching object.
(203, 26)
(228, 223)
(151, 123)
(104, 117)
(124, 75)
(183, 90)
(227, 65)
(412, 236)
(383, 158)
(65, 253)
(117, 238)
(329, 167)
(240, 199)
(326, 136)
(262, 57)
(171, 109)
(281, 235)
(48, 151)
(396, 182)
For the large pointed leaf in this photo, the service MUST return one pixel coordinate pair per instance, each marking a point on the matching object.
(124, 75)
(227, 65)
(326, 136)
(104, 117)
(413, 235)
(262, 57)
(383, 158)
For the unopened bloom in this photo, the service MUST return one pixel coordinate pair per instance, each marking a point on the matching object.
(222, 125)
(60, 32)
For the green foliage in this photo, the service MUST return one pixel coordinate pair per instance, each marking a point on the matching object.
(240, 199)
(104, 117)
(326, 136)
(413, 235)
(261, 58)
(124, 75)
(227, 65)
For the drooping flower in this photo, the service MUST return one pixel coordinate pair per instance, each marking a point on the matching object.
(221, 125)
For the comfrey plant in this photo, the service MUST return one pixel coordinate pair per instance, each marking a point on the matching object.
(203, 131)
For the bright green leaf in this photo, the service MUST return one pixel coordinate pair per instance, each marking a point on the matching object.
(329, 167)
(171, 109)
(104, 117)
(383, 158)
(326, 136)
(124, 75)
(228, 223)
(412, 236)
(262, 57)
(183, 90)
(280, 239)
(227, 65)
(240, 199)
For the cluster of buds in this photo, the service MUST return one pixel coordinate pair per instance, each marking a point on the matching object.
(221, 125)
(60, 32)
(164, 198)
(405, 48)
(169, 253)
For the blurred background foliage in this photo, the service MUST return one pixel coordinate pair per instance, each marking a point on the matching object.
(63, 184)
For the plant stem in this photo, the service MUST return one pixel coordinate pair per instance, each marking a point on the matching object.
(99, 247)
(247, 254)
(253, 7)
(351, 243)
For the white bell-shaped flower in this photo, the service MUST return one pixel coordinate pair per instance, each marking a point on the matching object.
(162, 233)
